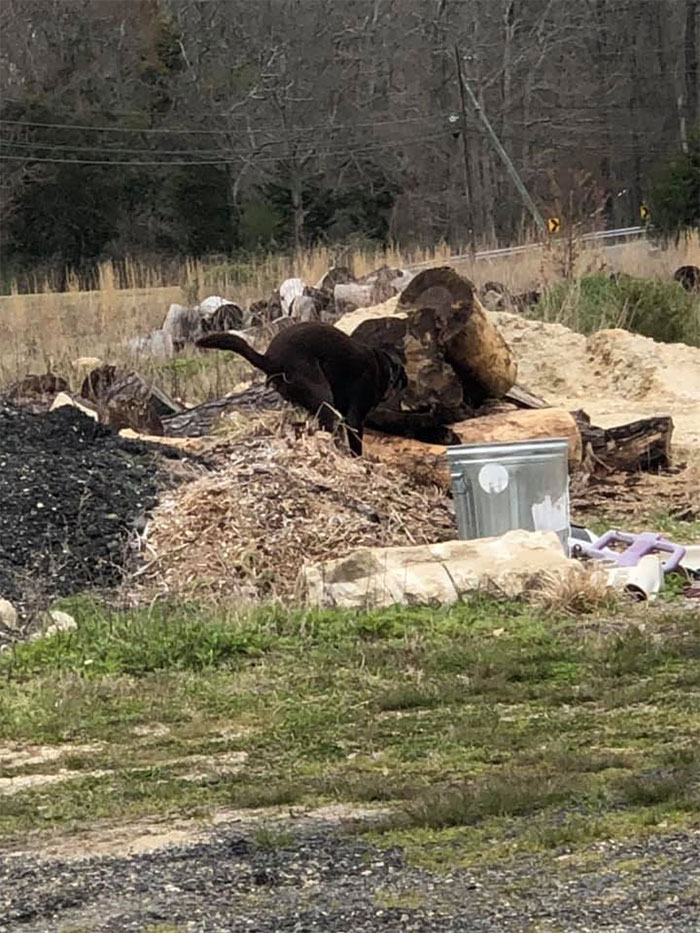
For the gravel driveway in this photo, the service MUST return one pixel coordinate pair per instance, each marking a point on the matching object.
(317, 878)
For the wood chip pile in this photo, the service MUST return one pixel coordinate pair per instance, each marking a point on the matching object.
(277, 502)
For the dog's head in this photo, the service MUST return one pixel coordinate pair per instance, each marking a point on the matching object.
(393, 362)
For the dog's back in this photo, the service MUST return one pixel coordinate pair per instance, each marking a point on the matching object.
(341, 359)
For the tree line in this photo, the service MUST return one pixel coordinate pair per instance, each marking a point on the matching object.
(180, 127)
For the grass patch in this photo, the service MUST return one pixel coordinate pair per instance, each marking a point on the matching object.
(506, 795)
(269, 839)
(654, 308)
(524, 729)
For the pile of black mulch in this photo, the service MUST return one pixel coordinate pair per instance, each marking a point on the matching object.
(72, 495)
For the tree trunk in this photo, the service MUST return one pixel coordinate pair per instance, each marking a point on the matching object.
(127, 400)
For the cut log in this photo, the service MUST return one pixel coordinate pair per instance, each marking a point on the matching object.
(455, 356)
(35, 393)
(349, 296)
(337, 275)
(411, 424)
(643, 445)
(288, 291)
(424, 463)
(264, 310)
(228, 316)
(202, 419)
(305, 308)
(512, 426)
(158, 344)
(428, 461)
(185, 325)
(385, 283)
(523, 398)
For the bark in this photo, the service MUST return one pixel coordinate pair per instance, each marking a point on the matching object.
(201, 420)
(643, 445)
(127, 400)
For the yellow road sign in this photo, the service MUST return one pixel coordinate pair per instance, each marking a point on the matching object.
(553, 224)
(644, 212)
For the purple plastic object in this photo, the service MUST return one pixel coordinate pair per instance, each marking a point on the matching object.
(639, 546)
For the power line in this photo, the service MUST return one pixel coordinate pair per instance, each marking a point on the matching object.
(194, 132)
(221, 151)
(226, 159)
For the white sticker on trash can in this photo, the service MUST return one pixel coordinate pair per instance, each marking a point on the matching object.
(551, 516)
(493, 478)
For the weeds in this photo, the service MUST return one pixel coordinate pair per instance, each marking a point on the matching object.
(662, 310)
(507, 795)
(270, 839)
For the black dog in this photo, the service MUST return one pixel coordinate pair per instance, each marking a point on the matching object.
(323, 370)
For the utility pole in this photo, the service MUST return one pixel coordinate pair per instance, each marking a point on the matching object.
(524, 193)
(465, 151)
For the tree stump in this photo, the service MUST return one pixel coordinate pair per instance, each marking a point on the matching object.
(127, 400)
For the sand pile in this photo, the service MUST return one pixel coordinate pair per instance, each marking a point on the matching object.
(276, 502)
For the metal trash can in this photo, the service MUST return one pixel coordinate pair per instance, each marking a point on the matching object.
(502, 487)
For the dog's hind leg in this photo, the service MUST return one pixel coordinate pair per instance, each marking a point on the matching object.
(314, 394)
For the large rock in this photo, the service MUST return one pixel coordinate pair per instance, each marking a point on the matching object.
(55, 622)
(435, 574)
(185, 325)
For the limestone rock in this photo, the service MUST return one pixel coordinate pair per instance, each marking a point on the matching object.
(435, 574)
(57, 621)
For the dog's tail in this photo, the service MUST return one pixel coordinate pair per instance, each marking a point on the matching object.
(220, 340)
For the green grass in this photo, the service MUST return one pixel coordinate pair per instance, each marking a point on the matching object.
(487, 729)
(655, 308)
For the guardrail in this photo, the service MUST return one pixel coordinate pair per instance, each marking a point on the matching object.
(620, 233)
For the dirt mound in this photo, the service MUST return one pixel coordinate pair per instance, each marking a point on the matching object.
(71, 493)
(280, 501)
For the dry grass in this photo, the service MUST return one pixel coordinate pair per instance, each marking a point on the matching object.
(582, 591)
(49, 330)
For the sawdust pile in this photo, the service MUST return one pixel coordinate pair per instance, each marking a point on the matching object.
(553, 359)
(277, 502)
(616, 376)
